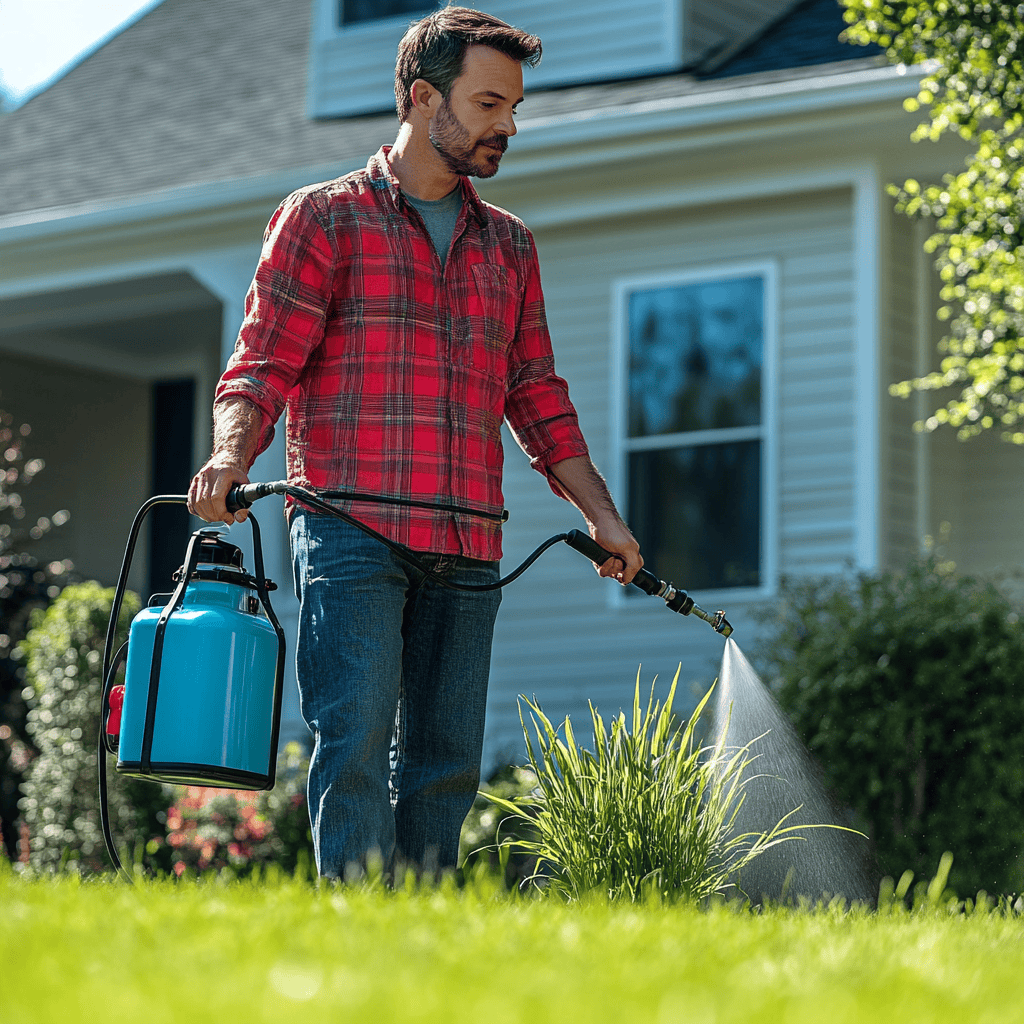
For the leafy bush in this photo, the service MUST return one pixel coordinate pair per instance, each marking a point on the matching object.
(486, 826)
(26, 584)
(236, 830)
(63, 655)
(648, 812)
(909, 689)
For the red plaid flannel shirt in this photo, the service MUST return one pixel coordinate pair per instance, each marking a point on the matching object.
(396, 375)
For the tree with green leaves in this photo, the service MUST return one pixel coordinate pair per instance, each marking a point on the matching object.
(973, 54)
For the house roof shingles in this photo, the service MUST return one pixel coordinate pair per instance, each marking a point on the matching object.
(196, 92)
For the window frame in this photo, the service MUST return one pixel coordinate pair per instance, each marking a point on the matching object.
(622, 445)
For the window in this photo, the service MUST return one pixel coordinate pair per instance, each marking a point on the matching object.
(694, 424)
(353, 11)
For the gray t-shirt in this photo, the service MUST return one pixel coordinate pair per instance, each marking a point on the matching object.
(439, 216)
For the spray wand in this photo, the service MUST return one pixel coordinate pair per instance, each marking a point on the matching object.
(243, 495)
(678, 600)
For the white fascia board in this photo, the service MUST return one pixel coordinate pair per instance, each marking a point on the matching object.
(210, 198)
(732, 104)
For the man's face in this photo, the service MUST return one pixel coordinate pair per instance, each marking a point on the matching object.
(472, 126)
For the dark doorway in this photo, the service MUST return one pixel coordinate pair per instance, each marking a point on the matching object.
(173, 418)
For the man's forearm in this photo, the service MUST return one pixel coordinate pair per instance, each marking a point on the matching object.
(578, 479)
(236, 432)
(236, 436)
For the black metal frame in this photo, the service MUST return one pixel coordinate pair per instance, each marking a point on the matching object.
(184, 772)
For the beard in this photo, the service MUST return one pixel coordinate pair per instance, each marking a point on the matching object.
(449, 137)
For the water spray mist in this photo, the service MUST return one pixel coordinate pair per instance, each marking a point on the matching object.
(783, 777)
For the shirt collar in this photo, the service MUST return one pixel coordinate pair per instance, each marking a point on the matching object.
(383, 179)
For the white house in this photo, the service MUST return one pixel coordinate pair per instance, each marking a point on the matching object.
(729, 293)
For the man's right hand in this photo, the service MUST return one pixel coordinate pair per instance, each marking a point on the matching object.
(209, 488)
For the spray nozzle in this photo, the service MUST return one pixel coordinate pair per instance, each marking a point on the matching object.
(678, 600)
(681, 602)
(718, 622)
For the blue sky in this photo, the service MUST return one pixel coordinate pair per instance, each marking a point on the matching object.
(41, 39)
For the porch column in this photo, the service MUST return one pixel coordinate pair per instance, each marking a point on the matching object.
(228, 276)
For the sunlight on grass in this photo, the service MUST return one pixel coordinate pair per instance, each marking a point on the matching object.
(273, 949)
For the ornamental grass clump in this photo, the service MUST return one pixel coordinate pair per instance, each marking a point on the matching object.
(648, 813)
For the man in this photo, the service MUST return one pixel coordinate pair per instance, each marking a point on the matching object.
(399, 319)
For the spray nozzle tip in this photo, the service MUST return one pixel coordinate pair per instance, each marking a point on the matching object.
(718, 622)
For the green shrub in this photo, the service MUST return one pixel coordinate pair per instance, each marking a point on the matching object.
(648, 813)
(234, 831)
(26, 583)
(63, 656)
(909, 690)
(487, 825)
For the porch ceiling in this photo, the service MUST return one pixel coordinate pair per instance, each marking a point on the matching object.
(150, 328)
(114, 315)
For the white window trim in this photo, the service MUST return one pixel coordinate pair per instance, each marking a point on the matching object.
(768, 430)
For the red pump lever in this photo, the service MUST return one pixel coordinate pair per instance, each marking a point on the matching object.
(116, 702)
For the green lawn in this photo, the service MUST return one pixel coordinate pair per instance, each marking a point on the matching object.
(282, 950)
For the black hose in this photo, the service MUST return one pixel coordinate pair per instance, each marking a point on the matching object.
(243, 495)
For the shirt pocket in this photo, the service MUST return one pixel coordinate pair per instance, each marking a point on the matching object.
(493, 306)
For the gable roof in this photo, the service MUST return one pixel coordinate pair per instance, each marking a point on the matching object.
(804, 35)
(197, 93)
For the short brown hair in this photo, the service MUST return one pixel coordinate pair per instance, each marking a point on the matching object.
(434, 49)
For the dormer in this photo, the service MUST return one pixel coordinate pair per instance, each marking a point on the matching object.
(353, 45)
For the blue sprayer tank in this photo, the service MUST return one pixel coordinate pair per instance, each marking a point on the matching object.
(202, 680)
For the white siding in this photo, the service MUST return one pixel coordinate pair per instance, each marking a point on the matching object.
(598, 647)
(962, 494)
(352, 68)
(977, 488)
(989, 530)
(902, 447)
(930, 480)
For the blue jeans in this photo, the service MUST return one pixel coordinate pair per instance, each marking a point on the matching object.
(392, 670)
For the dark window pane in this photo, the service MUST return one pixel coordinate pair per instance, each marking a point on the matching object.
(697, 513)
(353, 11)
(695, 356)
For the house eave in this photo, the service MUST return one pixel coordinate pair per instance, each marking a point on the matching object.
(544, 144)
(206, 198)
(750, 98)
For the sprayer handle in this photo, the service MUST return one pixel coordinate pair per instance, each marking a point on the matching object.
(586, 545)
(243, 495)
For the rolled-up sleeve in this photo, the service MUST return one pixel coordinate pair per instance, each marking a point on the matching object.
(538, 409)
(286, 311)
